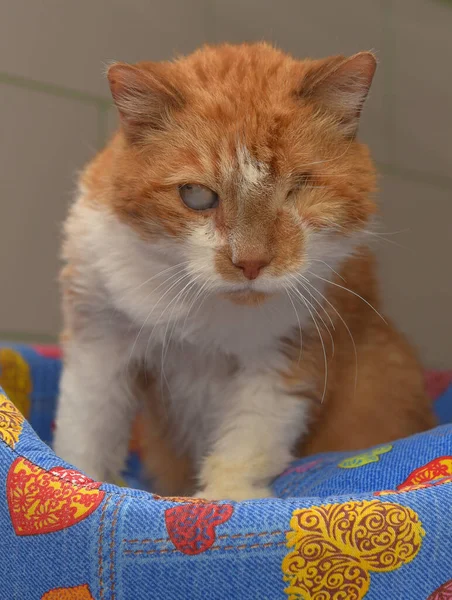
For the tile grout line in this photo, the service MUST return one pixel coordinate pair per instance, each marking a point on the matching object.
(54, 90)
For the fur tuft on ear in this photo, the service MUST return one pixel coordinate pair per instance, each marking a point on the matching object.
(144, 95)
(340, 85)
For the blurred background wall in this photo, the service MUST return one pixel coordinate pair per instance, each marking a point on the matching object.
(55, 113)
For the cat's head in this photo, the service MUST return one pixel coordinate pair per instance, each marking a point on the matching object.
(244, 162)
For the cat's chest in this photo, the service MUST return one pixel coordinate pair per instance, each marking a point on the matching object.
(194, 386)
(196, 359)
(221, 327)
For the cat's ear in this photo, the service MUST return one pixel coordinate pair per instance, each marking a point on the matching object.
(341, 86)
(144, 95)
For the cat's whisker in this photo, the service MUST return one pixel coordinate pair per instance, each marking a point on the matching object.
(406, 230)
(351, 292)
(133, 290)
(323, 349)
(139, 286)
(329, 267)
(167, 280)
(316, 187)
(180, 298)
(181, 278)
(184, 300)
(377, 234)
(306, 301)
(175, 299)
(328, 160)
(166, 344)
(343, 322)
(329, 176)
(381, 237)
(294, 277)
(196, 296)
(299, 324)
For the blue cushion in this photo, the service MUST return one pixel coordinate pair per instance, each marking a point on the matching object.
(375, 525)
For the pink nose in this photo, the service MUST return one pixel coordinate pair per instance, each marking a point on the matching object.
(252, 268)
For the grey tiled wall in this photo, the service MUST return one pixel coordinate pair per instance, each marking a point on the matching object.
(55, 112)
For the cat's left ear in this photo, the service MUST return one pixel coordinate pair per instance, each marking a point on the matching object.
(340, 85)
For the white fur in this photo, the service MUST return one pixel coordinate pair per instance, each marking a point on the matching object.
(251, 171)
(218, 362)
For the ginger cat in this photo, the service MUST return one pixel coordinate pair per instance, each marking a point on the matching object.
(218, 274)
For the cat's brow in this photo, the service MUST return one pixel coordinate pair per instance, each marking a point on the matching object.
(253, 172)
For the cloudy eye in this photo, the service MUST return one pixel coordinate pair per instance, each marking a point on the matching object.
(198, 197)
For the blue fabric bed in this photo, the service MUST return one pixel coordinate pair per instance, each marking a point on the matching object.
(375, 524)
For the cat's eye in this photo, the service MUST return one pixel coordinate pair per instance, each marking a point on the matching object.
(198, 197)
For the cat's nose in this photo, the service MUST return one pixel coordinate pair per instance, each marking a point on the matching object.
(252, 268)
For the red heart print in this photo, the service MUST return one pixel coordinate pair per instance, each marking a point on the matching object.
(442, 593)
(435, 469)
(191, 527)
(41, 501)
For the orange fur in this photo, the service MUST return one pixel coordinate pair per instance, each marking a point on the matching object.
(374, 399)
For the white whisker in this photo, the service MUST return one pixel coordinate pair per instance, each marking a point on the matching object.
(305, 300)
(165, 344)
(299, 324)
(185, 262)
(327, 160)
(196, 296)
(324, 354)
(343, 322)
(153, 308)
(351, 292)
(315, 300)
(329, 267)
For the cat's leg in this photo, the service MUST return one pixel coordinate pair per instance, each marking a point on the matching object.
(95, 406)
(257, 431)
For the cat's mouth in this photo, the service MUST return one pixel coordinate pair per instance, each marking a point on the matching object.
(246, 296)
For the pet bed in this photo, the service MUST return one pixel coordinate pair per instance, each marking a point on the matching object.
(374, 525)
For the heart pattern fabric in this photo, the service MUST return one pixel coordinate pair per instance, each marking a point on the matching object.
(333, 548)
(41, 501)
(11, 422)
(79, 592)
(434, 470)
(192, 527)
(444, 592)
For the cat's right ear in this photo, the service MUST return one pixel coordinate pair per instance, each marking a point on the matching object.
(144, 96)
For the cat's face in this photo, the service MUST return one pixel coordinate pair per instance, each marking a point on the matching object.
(242, 163)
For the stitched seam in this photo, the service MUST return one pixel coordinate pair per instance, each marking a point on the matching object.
(212, 548)
(100, 570)
(112, 547)
(219, 537)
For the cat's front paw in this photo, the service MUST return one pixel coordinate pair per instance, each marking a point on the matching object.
(234, 492)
